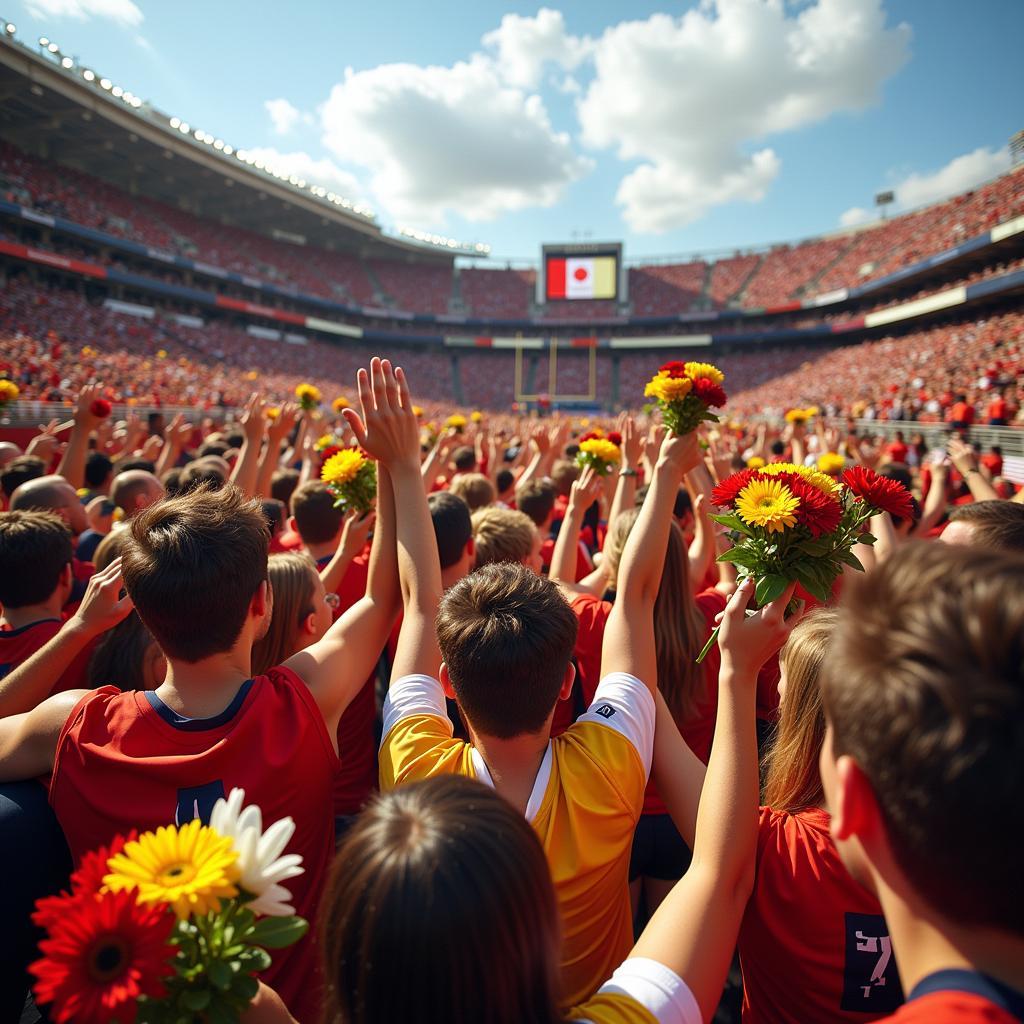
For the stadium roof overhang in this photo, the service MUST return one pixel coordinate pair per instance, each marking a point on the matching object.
(52, 113)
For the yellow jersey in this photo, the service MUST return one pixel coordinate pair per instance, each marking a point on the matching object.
(584, 806)
(641, 991)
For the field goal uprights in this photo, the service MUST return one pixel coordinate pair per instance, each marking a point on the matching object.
(553, 393)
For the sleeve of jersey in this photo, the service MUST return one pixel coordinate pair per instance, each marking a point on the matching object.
(417, 737)
(625, 705)
(641, 992)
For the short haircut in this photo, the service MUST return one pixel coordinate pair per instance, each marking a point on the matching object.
(125, 464)
(683, 503)
(453, 526)
(504, 480)
(201, 475)
(34, 549)
(283, 484)
(502, 535)
(213, 448)
(474, 489)
(171, 481)
(998, 525)
(564, 474)
(537, 500)
(924, 688)
(98, 468)
(127, 488)
(192, 567)
(274, 511)
(506, 636)
(316, 518)
(20, 470)
(464, 459)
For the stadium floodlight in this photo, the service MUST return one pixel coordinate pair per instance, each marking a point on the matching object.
(67, 63)
(10, 28)
(117, 91)
(228, 151)
(88, 75)
(175, 121)
(218, 144)
(53, 48)
(43, 41)
(106, 83)
(184, 128)
(136, 102)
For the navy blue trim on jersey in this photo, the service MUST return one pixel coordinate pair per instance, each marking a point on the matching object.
(172, 718)
(974, 983)
(6, 633)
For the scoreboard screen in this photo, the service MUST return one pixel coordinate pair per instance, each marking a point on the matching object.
(581, 272)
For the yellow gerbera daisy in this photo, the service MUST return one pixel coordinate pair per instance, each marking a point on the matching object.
(668, 389)
(477, 417)
(698, 370)
(307, 393)
(341, 402)
(456, 421)
(767, 503)
(601, 448)
(191, 868)
(272, 412)
(755, 462)
(831, 463)
(822, 481)
(8, 390)
(342, 467)
(797, 416)
(417, 411)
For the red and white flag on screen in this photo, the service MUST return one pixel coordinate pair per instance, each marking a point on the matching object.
(581, 277)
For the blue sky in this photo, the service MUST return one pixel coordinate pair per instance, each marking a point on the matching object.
(674, 128)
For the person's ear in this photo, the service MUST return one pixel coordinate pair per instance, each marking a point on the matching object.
(567, 683)
(67, 578)
(262, 601)
(471, 549)
(308, 624)
(446, 682)
(291, 524)
(855, 811)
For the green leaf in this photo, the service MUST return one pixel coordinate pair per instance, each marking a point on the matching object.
(245, 986)
(220, 1013)
(867, 538)
(850, 559)
(278, 932)
(220, 975)
(733, 522)
(195, 999)
(740, 556)
(816, 547)
(811, 582)
(769, 588)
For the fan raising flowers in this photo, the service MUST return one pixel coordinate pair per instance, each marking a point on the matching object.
(685, 393)
(601, 453)
(352, 478)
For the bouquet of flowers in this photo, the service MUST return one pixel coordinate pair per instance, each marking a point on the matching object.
(9, 391)
(308, 396)
(799, 417)
(791, 524)
(456, 423)
(340, 403)
(172, 925)
(599, 452)
(686, 393)
(352, 479)
(327, 446)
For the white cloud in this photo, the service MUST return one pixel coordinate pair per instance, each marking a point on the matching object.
(125, 12)
(284, 115)
(438, 139)
(961, 173)
(524, 45)
(853, 216)
(310, 169)
(690, 97)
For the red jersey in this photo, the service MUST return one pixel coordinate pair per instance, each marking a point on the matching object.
(998, 409)
(958, 996)
(814, 945)
(584, 566)
(18, 645)
(125, 760)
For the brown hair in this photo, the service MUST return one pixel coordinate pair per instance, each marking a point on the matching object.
(994, 524)
(464, 459)
(502, 535)
(679, 626)
(925, 690)
(35, 547)
(108, 549)
(192, 567)
(537, 500)
(440, 907)
(474, 489)
(564, 474)
(316, 518)
(792, 778)
(291, 580)
(506, 636)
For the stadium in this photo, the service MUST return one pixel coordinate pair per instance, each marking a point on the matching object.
(219, 583)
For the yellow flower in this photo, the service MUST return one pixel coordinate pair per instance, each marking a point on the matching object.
(824, 483)
(476, 417)
(698, 370)
(342, 467)
(325, 441)
(602, 449)
(831, 463)
(308, 395)
(800, 416)
(767, 503)
(668, 389)
(755, 462)
(456, 421)
(341, 402)
(161, 353)
(191, 868)
(272, 412)
(417, 411)
(252, 375)
(9, 391)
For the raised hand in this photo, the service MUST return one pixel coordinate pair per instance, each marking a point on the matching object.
(355, 532)
(586, 489)
(683, 452)
(103, 607)
(747, 642)
(632, 442)
(253, 421)
(388, 429)
(280, 428)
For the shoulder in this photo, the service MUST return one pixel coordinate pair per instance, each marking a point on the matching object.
(641, 991)
(623, 709)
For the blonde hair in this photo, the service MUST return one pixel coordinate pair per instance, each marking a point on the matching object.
(502, 535)
(792, 779)
(291, 580)
(474, 489)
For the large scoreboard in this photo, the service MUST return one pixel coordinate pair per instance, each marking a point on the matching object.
(585, 271)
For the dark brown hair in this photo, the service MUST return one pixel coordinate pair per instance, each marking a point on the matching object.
(994, 524)
(293, 580)
(506, 636)
(925, 690)
(192, 566)
(453, 527)
(440, 907)
(537, 500)
(316, 518)
(35, 546)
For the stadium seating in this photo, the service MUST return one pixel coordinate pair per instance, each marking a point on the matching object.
(501, 294)
(671, 288)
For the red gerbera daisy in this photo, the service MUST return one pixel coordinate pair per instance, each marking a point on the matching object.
(615, 437)
(101, 408)
(590, 435)
(101, 956)
(675, 368)
(728, 490)
(709, 392)
(879, 492)
(820, 513)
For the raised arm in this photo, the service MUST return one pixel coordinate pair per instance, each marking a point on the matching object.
(586, 489)
(629, 635)
(254, 426)
(694, 930)
(353, 540)
(72, 463)
(278, 430)
(966, 461)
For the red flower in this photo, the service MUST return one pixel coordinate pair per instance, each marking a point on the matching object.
(675, 368)
(818, 512)
(590, 435)
(881, 493)
(101, 408)
(615, 437)
(728, 490)
(101, 955)
(709, 392)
